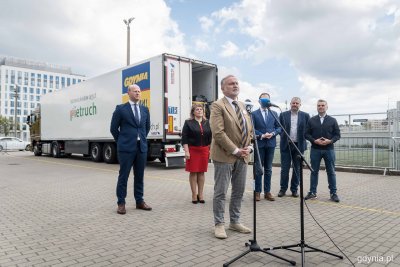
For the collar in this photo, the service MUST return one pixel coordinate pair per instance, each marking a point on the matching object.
(132, 103)
(230, 100)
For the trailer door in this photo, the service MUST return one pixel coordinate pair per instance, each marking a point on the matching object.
(178, 94)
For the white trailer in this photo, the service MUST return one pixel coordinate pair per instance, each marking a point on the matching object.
(76, 119)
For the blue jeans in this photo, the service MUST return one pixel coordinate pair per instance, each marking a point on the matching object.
(266, 156)
(329, 158)
(288, 156)
(127, 160)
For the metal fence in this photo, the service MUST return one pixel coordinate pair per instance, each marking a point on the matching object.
(363, 152)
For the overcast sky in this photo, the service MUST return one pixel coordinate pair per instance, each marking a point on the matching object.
(347, 52)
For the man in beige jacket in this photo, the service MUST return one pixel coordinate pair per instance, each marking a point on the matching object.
(230, 149)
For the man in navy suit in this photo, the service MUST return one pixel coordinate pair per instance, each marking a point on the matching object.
(294, 122)
(266, 128)
(130, 126)
(322, 131)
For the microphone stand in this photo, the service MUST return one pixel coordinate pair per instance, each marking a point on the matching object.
(253, 245)
(302, 244)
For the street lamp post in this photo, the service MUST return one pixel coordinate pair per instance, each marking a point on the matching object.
(128, 22)
(15, 109)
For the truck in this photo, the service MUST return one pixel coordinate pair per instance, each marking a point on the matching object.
(76, 119)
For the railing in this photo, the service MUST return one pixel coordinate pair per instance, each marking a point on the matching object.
(396, 153)
(362, 151)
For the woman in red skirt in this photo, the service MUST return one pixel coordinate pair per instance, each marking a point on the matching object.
(196, 140)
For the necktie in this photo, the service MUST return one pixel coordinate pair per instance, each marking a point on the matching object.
(265, 116)
(136, 114)
(241, 122)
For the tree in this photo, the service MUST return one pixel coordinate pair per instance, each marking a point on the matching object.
(5, 126)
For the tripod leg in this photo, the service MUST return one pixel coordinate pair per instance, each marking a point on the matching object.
(236, 258)
(323, 251)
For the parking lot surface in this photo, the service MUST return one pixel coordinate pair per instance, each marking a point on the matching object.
(62, 212)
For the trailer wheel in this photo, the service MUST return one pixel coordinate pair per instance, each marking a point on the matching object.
(151, 158)
(55, 149)
(110, 153)
(162, 159)
(96, 152)
(36, 150)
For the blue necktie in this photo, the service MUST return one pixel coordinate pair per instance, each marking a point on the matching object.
(136, 114)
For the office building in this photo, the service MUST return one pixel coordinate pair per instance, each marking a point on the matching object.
(30, 80)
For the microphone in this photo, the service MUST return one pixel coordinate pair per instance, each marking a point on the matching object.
(266, 103)
(248, 105)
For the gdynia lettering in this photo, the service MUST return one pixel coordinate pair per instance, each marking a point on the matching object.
(135, 78)
(77, 112)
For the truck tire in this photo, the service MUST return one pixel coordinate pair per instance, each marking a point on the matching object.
(55, 149)
(96, 152)
(110, 153)
(162, 159)
(151, 159)
(36, 150)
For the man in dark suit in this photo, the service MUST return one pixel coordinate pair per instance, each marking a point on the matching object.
(322, 131)
(266, 128)
(130, 126)
(294, 122)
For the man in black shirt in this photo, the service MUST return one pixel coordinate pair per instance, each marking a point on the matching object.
(322, 131)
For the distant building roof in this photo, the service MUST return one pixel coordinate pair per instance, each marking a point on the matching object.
(37, 65)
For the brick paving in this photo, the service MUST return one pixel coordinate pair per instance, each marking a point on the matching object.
(62, 212)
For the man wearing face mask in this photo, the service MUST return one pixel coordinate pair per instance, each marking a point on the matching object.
(266, 128)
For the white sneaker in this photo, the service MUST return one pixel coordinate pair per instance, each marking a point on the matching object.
(239, 228)
(220, 231)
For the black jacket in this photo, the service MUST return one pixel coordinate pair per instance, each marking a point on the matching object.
(191, 133)
(329, 129)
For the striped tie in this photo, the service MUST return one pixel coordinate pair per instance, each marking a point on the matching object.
(241, 122)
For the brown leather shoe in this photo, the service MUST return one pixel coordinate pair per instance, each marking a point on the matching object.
(121, 209)
(269, 196)
(258, 198)
(143, 206)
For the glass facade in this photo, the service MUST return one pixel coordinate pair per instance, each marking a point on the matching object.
(26, 78)
(39, 80)
(19, 81)
(12, 77)
(44, 80)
